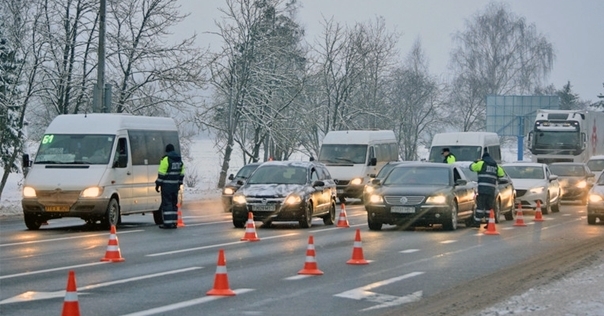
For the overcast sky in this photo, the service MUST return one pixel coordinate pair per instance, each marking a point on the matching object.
(575, 28)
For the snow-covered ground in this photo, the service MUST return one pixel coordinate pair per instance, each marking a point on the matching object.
(580, 293)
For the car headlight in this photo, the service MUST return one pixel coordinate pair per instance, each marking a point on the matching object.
(92, 192)
(356, 181)
(369, 189)
(595, 198)
(581, 184)
(293, 199)
(436, 199)
(239, 199)
(536, 190)
(375, 198)
(228, 191)
(29, 192)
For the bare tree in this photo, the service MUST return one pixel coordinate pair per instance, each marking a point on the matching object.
(498, 53)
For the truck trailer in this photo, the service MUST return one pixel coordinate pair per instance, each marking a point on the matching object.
(566, 136)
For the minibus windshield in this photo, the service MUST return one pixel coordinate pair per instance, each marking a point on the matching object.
(75, 149)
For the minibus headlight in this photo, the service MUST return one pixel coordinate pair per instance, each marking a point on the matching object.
(29, 192)
(92, 192)
(228, 191)
(239, 199)
(369, 189)
(356, 181)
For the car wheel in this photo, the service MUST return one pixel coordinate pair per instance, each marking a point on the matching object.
(591, 220)
(238, 223)
(157, 218)
(112, 215)
(452, 223)
(509, 216)
(33, 221)
(331, 217)
(497, 210)
(546, 208)
(306, 220)
(373, 225)
(556, 207)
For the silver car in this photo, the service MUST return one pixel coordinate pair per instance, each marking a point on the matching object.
(595, 202)
(534, 182)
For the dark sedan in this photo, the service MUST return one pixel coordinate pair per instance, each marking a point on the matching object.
(575, 180)
(286, 191)
(235, 181)
(421, 194)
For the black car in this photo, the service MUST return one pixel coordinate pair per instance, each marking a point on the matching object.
(505, 194)
(421, 193)
(380, 175)
(235, 181)
(286, 191)
(575, 180)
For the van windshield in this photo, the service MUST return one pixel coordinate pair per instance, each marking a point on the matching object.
(78, 149)
(343, 153)
(462, 153)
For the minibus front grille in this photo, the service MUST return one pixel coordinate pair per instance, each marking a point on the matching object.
(57, 197)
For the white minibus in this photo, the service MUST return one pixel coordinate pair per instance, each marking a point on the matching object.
(97, 167)
(351, 156)
(466, 146)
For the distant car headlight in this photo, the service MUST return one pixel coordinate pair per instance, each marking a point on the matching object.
(239, 199)
(581, 184)
(595, 198)
(369, 189)
(436, 199)
(228, 191)
(293, 199)
(356, 181)
(536, 190)
(29, 192)
(92, 192)
(375, 198)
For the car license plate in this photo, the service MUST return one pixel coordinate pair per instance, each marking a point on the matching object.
(402, 209)
(57, 208)
(263, 208)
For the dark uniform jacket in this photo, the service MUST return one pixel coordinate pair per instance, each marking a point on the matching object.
(171, 172)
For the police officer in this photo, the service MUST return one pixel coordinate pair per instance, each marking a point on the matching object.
(169, 178)
(488, 173)
(449, 157)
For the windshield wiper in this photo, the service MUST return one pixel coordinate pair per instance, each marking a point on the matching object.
(47, 162)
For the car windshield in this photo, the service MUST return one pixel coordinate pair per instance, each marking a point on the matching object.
(418, 176)
(471, 175)
(279, 175)
(596, 165)
(245, 171)
(567, 170)
(346, 153)
(384, 171)
(79, 149)
(524, 172)
(601, 179)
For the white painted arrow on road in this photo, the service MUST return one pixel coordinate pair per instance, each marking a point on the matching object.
(33, 295)
(384, 300)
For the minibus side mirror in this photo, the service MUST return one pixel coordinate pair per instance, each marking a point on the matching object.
(373, 161)
(26, 163)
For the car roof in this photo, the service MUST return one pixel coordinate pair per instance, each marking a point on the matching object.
(426, 163)
(288, 163)
(567, 163)
(524, 164)
(597, 157)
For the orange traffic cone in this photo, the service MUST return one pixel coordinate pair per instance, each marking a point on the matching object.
(357, 251)
(310, 264)
(538, 213)
(491, 230)
(179, 222)
(342, 220)
(519, 217)
(71, 307)
(250, 229)
(221, 279)
(113, 253)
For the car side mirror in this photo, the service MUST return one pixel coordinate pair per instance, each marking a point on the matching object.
(231, 176)
(553, 177)
(373, 161)
(372, 175)
(239, 182)
(318, 183)
(504, 181)
(26, 163)
(376, 181)
(461, 182)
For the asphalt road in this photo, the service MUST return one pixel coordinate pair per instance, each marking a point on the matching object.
(422, 271)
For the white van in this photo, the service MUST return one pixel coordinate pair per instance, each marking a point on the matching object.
(352, 156)
(97, 167)
(466, 146)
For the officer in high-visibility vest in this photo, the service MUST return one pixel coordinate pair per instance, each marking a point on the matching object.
(449, 157)
(488, 173)
(170, 177)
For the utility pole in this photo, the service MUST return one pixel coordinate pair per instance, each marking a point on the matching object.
(98, 96)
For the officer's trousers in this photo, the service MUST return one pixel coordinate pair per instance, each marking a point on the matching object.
(169, 208)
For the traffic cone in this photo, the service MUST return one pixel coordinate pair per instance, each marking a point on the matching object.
(250, 229)
(538, 213)
(113, 253)
(221, 279)
(491, 230)
(179, 222)
(71, 307)
(310, 264)
(357, 251)
(342, 220)
(519, 217)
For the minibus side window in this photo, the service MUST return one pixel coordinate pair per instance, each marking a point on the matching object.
(121, 156)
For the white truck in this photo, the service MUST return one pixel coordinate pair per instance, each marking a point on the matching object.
(466, 146)
(566, 136)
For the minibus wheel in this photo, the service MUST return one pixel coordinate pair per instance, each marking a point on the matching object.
(112, 215)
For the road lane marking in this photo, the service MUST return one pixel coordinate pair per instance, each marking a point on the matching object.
(66, 238)
(52, 270)
(448, 241)
(298, 277)
(364, 293)
(215, 246)
(33, 295)
(184, 304)
(409, 251)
